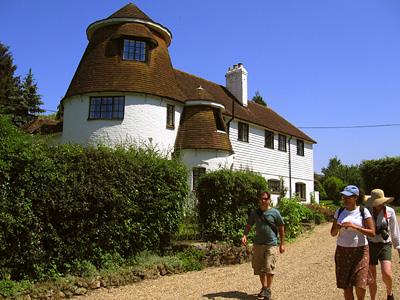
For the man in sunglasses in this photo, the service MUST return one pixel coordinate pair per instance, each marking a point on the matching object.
(269, 225)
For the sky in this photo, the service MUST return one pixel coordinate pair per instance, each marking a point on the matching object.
(330, 67)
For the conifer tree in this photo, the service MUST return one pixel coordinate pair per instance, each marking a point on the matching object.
(8, 83)
(258, 99)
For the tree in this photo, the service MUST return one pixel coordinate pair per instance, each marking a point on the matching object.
(348, 174)
(8, 83)
(26, 101)
(258, 99)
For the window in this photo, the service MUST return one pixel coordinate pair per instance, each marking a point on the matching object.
(134, 50)
(274, 185)
(269, 139)
(243, 133)
(282, 142)
(219, 121)
(300, 147)
(170, 115)
(301, 190)
(106, 108)
(197, 172)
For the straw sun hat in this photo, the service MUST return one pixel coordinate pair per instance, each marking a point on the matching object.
(376, 198)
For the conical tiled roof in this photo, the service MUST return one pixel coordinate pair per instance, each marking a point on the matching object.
(102, 69)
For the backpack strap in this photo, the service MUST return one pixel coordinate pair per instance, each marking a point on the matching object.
(340, 211)
(261, 215)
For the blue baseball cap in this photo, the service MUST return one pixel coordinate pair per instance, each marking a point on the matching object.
(351, 190)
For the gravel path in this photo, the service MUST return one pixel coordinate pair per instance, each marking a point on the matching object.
(304, 271)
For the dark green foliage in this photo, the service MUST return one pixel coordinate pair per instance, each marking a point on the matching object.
(8, 83)
(320, 188)
(383, 174)
(333, 187)
(294, 214)
(226, 199)
(258, 99)
(192, 259)
(350, 174)
(67, 203)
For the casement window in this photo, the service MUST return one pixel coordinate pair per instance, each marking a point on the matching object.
(243, 132)
(197, 172)
(219, 121)
(170, 115)
(269, 139)
(301, 190)
(300, 147)
(274, 185)
(106, 108)
(282, 142)
(134, 50)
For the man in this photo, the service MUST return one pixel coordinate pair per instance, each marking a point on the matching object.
(268, 222)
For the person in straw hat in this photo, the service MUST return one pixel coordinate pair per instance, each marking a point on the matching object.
(352, 224)
(387, 233)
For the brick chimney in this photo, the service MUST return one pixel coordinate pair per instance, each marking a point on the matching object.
(236, 82)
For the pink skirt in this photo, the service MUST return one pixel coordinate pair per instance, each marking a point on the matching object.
(352, 267)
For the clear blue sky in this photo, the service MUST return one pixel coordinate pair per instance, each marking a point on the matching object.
(317, 63)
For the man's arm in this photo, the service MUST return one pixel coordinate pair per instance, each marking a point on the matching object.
(282, 236)
(246, 232)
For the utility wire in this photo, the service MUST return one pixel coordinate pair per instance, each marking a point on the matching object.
(338, 127)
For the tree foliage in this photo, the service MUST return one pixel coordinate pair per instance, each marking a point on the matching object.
(258, 99)
(333, 187)
(8, 83)
(348, 174)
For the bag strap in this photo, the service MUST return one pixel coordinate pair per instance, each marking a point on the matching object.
(261, 215)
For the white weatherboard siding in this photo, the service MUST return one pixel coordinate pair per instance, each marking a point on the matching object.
(273, 163)
(144, 122)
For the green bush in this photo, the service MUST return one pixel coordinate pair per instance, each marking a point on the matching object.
(294, 214)
(226, 199)
(67, 203)
(192, 259)
(333, 187)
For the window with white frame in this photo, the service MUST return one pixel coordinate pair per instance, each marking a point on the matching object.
(170, 115)
(243, 132)
(301, 190)
(197, 172)
(106, 108)
(269, 139)
(282, 142)
(300, 147)
(134, 50)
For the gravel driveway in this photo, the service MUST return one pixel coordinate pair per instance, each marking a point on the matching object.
(304, 271)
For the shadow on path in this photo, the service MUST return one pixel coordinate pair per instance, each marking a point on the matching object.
(231, 295)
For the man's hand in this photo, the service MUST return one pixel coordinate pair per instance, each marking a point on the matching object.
(282, 248)
(244, 240)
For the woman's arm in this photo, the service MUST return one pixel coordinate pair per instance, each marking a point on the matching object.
(335, 227)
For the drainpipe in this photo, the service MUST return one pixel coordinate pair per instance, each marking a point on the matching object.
(233, 116)
(290, 170)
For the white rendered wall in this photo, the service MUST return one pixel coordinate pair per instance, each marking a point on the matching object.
(273, 163)
(211, 160)
(144, 122)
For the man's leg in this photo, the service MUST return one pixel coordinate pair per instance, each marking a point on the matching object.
(270, 277)
(373, 286)
(263, 279)
(386, 269)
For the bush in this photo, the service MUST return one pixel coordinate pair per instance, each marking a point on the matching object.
(226, 198)
(192, 259)
(82, 204)
(333, 187)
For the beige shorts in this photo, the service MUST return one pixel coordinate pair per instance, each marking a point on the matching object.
(264, 259)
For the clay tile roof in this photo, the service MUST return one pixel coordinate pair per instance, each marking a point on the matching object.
(253, 113)
(130, 11)
(43, 126)
(200, 94)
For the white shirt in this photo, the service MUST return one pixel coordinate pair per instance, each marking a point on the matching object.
(393, 225)
(351, 237)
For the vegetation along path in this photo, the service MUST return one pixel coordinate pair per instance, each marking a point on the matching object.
(304, 271)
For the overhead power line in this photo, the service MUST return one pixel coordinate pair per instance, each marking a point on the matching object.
(338, 127)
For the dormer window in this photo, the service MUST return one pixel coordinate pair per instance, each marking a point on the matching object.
(134, 50)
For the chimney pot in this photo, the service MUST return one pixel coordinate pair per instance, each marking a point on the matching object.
(235, 66)
(240, 65)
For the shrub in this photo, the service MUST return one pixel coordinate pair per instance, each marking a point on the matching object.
(226, 198)
(192, 259)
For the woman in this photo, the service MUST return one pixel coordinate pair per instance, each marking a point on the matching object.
(380, 247)
(353, 224)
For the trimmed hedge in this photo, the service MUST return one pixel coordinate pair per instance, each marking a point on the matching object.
(63, 205)
(226, 199)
